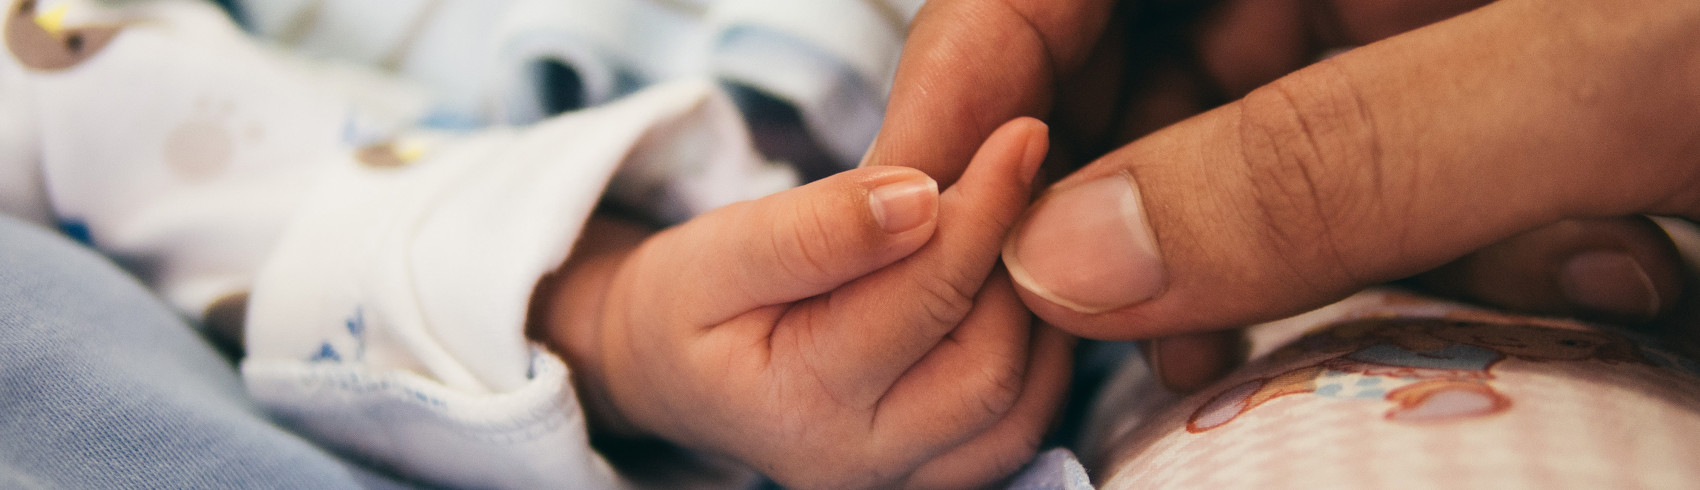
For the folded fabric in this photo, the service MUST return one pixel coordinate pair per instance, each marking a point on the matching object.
(486, 60)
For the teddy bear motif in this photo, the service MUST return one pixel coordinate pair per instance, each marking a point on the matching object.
(41, 41)
(1432, 369)
(207, 142)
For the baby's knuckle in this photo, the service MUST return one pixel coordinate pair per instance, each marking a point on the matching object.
(810, 247)
(999, 385)
(945, 301)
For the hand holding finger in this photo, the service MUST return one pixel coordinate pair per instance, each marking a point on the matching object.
(941, 109)
(865, 335)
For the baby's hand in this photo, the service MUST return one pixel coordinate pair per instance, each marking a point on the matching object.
(848, 333)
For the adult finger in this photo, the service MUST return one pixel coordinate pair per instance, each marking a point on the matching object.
(1185, 363)
(1623, 270)
(861, 337)
(1377, 164)
(1620, 270)
(1179, 59)
(1244, 44)
(1011, 442)
(1359, 22)
(787, 246)
(1682, 326)
(970, 65)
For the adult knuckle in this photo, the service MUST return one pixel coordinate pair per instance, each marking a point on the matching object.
(1315, 169)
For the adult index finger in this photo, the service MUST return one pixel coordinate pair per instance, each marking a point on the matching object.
(968, 66)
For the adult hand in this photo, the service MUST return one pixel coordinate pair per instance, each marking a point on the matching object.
(1530, 132)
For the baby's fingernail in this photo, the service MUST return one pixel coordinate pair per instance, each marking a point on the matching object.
(1610, 282)
(1088, 248)
(904, 205)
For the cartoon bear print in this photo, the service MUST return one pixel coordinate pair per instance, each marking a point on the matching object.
(41, 41)
(1432, 369)
(205, 144)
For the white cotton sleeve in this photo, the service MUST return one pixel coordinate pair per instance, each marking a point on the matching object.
(389, 322)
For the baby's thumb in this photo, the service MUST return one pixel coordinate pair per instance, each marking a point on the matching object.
(791, 245)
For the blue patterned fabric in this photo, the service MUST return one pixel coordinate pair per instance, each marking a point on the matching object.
(102, 386)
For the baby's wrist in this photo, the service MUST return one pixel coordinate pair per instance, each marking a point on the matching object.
(567, 313)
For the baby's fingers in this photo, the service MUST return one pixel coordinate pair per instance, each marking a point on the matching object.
(861, 338)
(965, 383)
(786, 247)
(1011, 442)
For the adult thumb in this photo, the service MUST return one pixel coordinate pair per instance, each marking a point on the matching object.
(1377, 164)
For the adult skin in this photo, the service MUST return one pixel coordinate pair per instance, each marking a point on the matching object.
(1500, 151)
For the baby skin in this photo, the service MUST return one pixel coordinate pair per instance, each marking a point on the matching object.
(854, 332)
